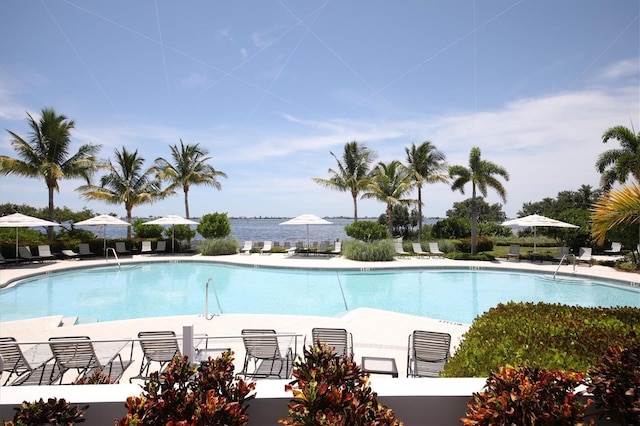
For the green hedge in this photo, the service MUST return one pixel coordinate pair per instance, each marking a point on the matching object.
(550, 336)
(219, 246)
(382, 250)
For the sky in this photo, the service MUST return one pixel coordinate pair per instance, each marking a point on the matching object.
(271, 88)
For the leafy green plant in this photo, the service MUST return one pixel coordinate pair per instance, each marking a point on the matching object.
(140, 230)
(483, 244)
(615, 384)
(366, 230)
(219, 246)
(511, 334)
(214, 225)
(192, 395)
(53, 412)
(330, 390)
(382, 250)
(527, 396)
(485, 257)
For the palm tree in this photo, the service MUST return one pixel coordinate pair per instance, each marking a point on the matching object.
(390, 183)
(189, 167)
(426, 165)
(46, 154)
(620, 206)
(126, 183)
(353, 172)
(481, 174)
(616, 165)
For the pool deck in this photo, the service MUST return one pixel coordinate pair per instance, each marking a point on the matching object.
(375, 333)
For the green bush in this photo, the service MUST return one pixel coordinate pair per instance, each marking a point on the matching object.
(214, 225)
(542, 335)
(333, 391)
(209, 394)
(219, 246)
(482, 244)
(485, 257)
(366, 230)
(527, 396)
(382, 250)
(146, 231)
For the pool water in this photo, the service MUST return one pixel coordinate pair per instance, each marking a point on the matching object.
(164, 289)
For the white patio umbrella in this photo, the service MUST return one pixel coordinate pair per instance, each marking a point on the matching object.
(307, 219)
(19, 220)
(172, 219)
(534, 221)
(103, 220)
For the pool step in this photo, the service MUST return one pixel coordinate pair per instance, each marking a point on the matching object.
(68, 321)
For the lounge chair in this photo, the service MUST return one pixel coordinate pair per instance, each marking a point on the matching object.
(25, 254)
(417, 249)
(157, 346)
(263, 352)
(32, 367)
(616, 248)
(161, 247)
(266, 248)
(121, 249)
(248, 245)
(146, 248)
(427, 353)
(514, 251)
(69, 254)
(585, 256)
(338, 339)
(337, 249)
(78, 353)
(44, 252)
(400, 250)
(434, 250)
(289, 249)
(562, 254)
(84, 251)
(5, 261)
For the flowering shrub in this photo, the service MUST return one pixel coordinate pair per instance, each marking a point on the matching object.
(53, 412)
(525, 396)
(333, 391)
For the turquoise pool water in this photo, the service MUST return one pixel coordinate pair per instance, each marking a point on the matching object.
(162, 289)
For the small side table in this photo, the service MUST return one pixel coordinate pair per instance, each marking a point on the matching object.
(377, 365)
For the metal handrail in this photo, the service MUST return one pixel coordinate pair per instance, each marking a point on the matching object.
(565, 256)
(115, 254)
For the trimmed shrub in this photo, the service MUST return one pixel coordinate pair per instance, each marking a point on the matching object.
(199, 395)
(542, 335)
(214, 225)
(219, 246)
(330, 390)
(382, 250)
(366, 230)
(527, 396)
(482, 244)
(615, 384)
(140, 230)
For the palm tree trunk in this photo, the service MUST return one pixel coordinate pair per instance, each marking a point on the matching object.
(419, 214)
(51, 209)
(129, 220)
(355, 207)
(186, 201)
(474, 222)
(390, 219)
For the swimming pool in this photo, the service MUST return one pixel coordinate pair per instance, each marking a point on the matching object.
(169, 288)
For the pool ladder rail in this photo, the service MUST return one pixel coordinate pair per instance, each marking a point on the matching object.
(206, 299)
(115, 255)
(565, 256)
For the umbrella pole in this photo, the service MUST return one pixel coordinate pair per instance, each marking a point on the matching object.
(17, 242)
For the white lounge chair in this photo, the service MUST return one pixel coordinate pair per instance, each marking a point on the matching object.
(417, 249)
(263, 353)
(400, 250)
(514, 251)
(121, 249)
(616, 248)
(337, 249)
(585, 256)
(44, 252)
(562, 254)
(85, 251)
(248, 245)
(427, 353)
(161, 248)
(338, 339)
(434, 250)
(146, 248)
(266, 248)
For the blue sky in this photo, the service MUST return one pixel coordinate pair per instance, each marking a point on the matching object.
(271, 87)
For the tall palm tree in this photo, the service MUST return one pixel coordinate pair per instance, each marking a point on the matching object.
(482, 175)
(46, 154)
(426, 165)
(189, 167)
(616, 165)
(620, 206)
(126, 183)
(390, 183)
(353, 172)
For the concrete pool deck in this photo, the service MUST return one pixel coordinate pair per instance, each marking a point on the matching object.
(376, 333)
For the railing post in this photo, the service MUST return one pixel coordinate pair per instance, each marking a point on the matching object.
(187, 343)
